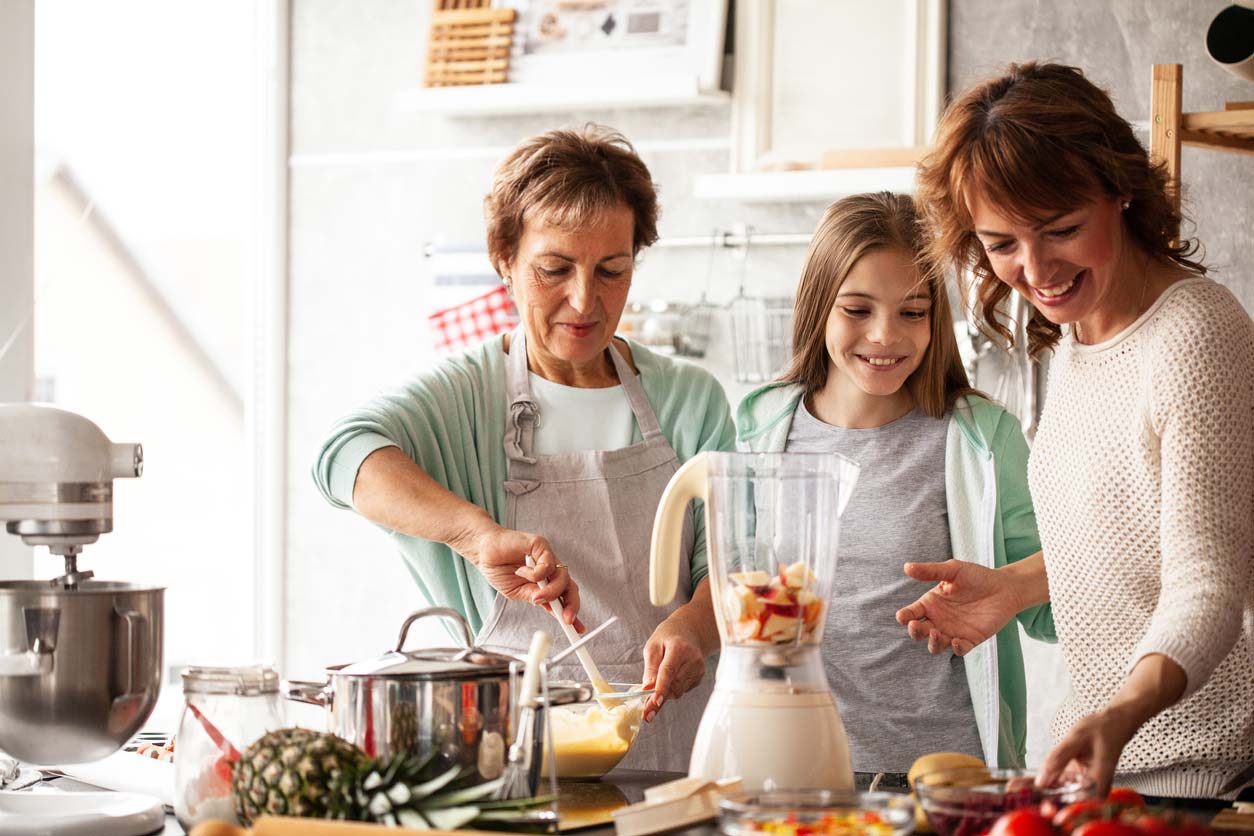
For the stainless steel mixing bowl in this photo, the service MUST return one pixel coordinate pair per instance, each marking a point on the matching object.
(80, 669)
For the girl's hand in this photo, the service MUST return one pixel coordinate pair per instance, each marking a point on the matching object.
(969, 604)
(500, 554)
(1092, 746)
(673, 664)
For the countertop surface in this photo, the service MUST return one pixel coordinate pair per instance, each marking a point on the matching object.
(591, 800)
(586, 800)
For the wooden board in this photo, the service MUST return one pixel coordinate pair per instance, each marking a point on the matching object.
(469, 46)
(1232, 821)
(582, 804)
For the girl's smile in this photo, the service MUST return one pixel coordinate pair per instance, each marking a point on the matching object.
(877, 335)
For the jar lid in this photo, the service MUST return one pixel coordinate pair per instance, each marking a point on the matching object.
(242, 680)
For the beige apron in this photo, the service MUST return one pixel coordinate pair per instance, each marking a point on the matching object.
(596, 509)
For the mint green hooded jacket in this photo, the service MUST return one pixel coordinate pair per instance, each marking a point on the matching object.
(991, 522)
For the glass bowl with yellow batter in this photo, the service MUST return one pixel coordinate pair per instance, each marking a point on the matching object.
(590, 738)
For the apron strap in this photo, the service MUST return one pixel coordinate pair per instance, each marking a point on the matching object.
(520, 422)
(646, 419)
(524, 412)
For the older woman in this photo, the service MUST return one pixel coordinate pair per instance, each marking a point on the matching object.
(1142, 473)
(553, 442)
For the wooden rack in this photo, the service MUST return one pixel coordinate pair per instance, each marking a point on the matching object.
(1230, 129)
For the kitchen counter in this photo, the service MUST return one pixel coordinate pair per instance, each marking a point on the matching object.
(591, 801)
(586, 800)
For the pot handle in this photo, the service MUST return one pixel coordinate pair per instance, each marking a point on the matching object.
(134, 635)
(313, 693)
(444, 612)
(41, 642)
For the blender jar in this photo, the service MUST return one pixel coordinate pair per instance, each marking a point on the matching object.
(226, 709)
(773, 529)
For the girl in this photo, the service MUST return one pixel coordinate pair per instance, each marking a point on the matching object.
(876, 376)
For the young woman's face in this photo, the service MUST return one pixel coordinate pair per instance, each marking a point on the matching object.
(571, 286)
(879, 328)
(1066, 267)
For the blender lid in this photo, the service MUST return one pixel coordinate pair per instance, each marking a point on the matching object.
(242, 680)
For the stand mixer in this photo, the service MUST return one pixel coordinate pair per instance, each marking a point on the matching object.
(80, 659)
(771, 522)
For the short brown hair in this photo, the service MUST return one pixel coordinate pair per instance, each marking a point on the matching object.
(849, 229)
(1035, 141)
(568, 177)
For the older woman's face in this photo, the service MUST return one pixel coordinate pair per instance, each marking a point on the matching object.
(571, 285)
(1067, 267)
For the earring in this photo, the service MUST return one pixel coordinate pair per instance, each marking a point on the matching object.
(509, 286)
(1125, 205)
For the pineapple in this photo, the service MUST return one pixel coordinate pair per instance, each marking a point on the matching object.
(296, 772)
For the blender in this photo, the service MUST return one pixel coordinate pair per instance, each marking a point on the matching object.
(772, 522)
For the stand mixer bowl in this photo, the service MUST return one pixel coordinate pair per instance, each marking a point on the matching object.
(80, 669)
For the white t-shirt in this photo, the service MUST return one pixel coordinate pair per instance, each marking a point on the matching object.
(576, 420)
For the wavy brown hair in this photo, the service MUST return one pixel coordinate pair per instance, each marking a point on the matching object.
(1036, 141)
(568, 177)
(849, 229)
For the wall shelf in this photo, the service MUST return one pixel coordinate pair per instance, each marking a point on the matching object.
(803, 186)
(503, 99)
(1230, 129)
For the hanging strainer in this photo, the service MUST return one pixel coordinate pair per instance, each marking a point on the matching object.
(761, 328)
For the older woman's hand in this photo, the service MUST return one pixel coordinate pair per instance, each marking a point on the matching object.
(500, 554)
(673, 663)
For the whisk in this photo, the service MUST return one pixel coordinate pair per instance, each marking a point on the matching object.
(515, 781)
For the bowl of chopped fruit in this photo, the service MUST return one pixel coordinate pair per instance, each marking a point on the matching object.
(816, 813)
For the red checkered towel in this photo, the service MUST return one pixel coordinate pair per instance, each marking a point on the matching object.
(473, 321)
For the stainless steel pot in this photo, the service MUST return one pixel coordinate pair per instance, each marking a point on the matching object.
(459, 703)
(80, 669)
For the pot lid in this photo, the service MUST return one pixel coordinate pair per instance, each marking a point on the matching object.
(434, 662)
(431, 663)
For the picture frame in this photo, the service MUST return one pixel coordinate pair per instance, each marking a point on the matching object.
(883, 62)
(587, 43)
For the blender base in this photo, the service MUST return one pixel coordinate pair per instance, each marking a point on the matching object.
(773, 740)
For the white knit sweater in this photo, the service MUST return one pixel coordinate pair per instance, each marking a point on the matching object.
(1142, 476)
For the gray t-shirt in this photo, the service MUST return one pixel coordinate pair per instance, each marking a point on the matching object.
(897, 700)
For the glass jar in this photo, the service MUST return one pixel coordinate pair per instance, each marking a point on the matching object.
(226, 709)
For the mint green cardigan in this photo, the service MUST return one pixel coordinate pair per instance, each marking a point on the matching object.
(450, 419)
(991, 522)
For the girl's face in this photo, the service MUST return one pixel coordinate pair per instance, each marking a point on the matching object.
(880, 326)
(1066, 267)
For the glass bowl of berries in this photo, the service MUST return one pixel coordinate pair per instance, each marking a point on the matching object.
(965, 801)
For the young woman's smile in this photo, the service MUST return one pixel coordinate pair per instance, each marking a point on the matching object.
(1067, 266)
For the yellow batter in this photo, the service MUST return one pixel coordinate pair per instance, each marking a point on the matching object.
(592, 740)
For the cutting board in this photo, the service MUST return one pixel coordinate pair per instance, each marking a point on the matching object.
(582, 804)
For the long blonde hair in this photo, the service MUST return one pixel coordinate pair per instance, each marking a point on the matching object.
(849, 229)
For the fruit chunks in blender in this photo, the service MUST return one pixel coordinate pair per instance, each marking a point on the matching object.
(774, 609)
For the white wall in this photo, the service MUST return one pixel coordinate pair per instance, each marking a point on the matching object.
(17, 232)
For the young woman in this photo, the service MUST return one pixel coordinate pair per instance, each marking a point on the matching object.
(876, 377)
(1143, 467)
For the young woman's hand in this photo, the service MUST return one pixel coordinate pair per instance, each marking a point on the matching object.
(500, 554)
(1092, 746)
(969, 604)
